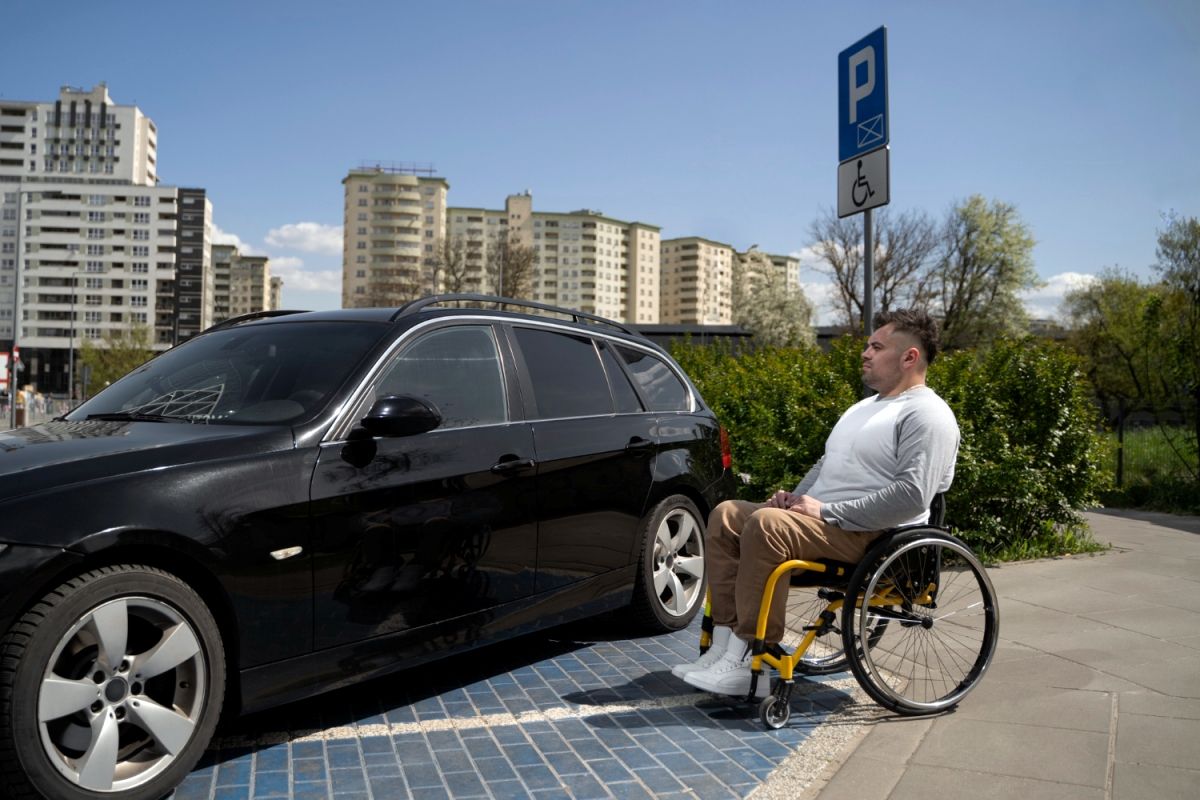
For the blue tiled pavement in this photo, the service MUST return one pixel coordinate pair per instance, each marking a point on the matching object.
(556, 716)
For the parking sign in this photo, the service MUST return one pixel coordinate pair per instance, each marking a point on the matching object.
(862, 96)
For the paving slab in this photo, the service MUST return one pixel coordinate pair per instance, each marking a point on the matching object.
(1024, 751)
(924, 782)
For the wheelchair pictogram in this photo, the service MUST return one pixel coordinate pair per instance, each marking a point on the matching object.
(861, 183)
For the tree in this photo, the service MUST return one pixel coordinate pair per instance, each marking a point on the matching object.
(396, 284)
(903, 248)
(510, 265)
(1108, 324)
(117, 353)
(451, 266)
(985, 261)
(768, 305)
(1179, 313)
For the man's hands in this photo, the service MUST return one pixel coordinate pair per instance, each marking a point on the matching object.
(799, 503)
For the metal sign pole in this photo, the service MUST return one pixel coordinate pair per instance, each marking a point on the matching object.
(868, 274)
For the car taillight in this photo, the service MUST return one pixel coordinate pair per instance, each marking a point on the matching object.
(726, 453)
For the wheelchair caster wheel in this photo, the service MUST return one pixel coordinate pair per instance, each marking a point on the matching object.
(774, 712)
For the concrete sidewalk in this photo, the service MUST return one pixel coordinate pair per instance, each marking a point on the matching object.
(1094, 691)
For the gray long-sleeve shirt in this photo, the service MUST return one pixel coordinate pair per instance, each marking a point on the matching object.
(884, 461)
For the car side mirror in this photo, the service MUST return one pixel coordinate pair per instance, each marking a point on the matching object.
(401, 415)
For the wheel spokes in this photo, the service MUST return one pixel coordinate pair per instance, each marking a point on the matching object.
(177, 646)
(110, 625)
(60, 697)
(99, 763)
(692, 566)
(170, 729)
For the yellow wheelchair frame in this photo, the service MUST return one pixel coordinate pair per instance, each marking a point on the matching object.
(919, 624)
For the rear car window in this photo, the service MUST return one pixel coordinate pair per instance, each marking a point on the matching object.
(568, 380)
(623, 392)
(661, 387)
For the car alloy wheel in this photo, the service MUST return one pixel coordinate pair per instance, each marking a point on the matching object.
(111, 685)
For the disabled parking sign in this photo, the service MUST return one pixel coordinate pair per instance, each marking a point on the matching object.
(864, 167)
(864, 182)
(863, 96)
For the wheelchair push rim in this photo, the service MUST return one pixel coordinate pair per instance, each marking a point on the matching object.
(942, 624)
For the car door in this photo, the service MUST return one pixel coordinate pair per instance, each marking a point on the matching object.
(595, 449)
(424, 529)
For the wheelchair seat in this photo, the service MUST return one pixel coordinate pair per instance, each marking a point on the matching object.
(837, 573)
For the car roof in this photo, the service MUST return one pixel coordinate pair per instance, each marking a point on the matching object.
(431, 307)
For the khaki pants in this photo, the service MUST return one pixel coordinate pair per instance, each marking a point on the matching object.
(747, 541)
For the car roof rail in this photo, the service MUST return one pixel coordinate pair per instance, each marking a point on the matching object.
(437, 299)
(253, 315)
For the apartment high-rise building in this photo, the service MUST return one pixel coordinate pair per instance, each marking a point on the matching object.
(394, 220)
(580, 259)
(90, 243)
(697, 282)
(193, 295)
(242, 284)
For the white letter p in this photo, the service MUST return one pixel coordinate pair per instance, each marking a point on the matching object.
(859, 91)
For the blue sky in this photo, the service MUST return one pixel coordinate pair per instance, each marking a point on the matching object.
(714, 119)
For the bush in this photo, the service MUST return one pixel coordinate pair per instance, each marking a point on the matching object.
(778, 405)
(1030, 457)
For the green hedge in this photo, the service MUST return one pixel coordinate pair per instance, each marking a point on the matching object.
(1030, 457)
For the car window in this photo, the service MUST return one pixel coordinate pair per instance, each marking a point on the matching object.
(568, 380)
(456, 369)
(660, 385)
(251, 374)
(623, 392)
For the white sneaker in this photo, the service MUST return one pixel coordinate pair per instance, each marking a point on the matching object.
(731, 673)
(720, 640)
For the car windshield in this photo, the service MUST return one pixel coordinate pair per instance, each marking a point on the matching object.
(250, 375)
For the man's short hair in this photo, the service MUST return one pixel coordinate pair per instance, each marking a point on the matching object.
(916, 323)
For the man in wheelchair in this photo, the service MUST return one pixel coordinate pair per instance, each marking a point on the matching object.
(884, 462)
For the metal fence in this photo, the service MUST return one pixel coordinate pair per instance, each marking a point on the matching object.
(1152, 446)
(38, 409)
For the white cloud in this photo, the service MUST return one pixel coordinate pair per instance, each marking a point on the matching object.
(1044, 302)
(307, 237)
(822, 295)
(223, 237)
(296, 277)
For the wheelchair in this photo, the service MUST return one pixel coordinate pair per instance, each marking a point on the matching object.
(916, 621)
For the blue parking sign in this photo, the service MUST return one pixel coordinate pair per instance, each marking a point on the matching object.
(862, 96)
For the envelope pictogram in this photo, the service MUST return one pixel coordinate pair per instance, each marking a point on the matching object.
(870, 132)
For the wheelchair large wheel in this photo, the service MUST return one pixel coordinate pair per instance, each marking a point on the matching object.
(942, 622)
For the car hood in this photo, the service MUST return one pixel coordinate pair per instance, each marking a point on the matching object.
(58, 454)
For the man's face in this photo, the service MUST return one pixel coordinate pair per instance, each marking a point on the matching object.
(882, 359)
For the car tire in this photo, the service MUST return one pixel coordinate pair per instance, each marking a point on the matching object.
(110, 686)
(671, 578)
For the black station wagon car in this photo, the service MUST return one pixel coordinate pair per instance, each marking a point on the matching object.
(291, 502)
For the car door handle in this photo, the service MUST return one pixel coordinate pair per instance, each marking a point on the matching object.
(639, 445)
(512, 466)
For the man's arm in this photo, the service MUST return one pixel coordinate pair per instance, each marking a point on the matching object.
(782, 499)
